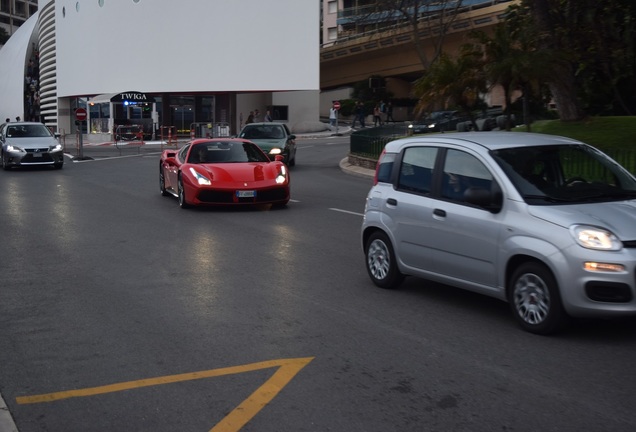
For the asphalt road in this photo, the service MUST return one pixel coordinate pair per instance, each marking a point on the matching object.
(119, 311)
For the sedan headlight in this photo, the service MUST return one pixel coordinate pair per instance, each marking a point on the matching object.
(275, 151)
(12, 148)
(201, 179)
(431, 126)
(591, 237)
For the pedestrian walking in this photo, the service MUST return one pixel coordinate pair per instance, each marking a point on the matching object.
(377, 119)
(389, 112)
(359, 115)
(333, 115)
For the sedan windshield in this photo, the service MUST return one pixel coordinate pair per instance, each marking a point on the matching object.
(565, 174)
(28, 131)
(225, 152)
(263, 132)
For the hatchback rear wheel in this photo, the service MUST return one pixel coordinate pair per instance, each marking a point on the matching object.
(534, 298)
(381, 262)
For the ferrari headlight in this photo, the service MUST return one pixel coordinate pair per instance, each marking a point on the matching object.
(591, 237)
(201, 179)
(275, 151)
(282, 175)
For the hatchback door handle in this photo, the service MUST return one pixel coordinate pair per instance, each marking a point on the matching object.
(391, 201)
(439, 212)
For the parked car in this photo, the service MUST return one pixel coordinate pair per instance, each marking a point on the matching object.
(546, 223)
(273, 138)
(223, 171)
(29, 143)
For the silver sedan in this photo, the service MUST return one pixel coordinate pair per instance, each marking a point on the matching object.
(29, 143)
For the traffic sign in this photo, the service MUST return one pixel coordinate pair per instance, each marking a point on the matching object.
(336, 105)
(81, 114)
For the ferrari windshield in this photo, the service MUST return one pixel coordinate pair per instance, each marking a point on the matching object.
(225, 152)
(565, 174)
(28, 131)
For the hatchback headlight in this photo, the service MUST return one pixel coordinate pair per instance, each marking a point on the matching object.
(275, 151)
(591, 237)
(56, 147)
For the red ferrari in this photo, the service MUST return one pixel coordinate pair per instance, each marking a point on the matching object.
(223, 171)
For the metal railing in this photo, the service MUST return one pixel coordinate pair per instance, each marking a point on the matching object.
(369, 143)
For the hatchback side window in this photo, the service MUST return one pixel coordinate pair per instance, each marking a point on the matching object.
(463, 171)
(416, 169)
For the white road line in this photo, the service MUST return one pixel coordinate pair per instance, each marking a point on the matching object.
(346, 211)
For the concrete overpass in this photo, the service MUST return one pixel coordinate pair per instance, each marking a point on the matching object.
(391, 53)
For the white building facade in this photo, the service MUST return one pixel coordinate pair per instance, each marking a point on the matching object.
(197, 61)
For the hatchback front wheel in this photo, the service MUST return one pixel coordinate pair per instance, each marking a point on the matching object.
(534, 299)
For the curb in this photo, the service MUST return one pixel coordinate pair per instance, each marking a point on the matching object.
(6, 421)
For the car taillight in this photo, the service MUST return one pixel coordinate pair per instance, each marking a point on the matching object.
(377, 167)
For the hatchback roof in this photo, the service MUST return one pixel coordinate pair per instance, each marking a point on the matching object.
(488, 140)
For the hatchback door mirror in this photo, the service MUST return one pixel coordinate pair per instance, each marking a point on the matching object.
(484, 198)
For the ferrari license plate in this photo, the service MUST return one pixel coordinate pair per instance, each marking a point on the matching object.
(245, 193)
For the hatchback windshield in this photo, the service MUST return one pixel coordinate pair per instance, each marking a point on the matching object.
(565, 173)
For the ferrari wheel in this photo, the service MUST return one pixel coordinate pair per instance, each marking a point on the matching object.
(162, 182)
(182, 198)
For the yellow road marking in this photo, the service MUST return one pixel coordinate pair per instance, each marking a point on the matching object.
(234, 421)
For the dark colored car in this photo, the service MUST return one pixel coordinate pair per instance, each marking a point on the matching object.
(273, 138)
(438, 121)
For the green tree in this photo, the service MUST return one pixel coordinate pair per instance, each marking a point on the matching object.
(596, 62)
(452, 82)
(511, 60)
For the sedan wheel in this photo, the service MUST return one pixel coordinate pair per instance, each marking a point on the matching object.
(182, 197)
(381, 262)
(534, 299)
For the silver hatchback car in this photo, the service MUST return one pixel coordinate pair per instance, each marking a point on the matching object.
(546, 223)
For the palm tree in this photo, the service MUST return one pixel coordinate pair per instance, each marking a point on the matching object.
(452, 82)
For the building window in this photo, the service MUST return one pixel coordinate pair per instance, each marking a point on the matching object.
(332, 7)
(332, 33)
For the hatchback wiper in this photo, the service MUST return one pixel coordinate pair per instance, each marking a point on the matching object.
(546, 198)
